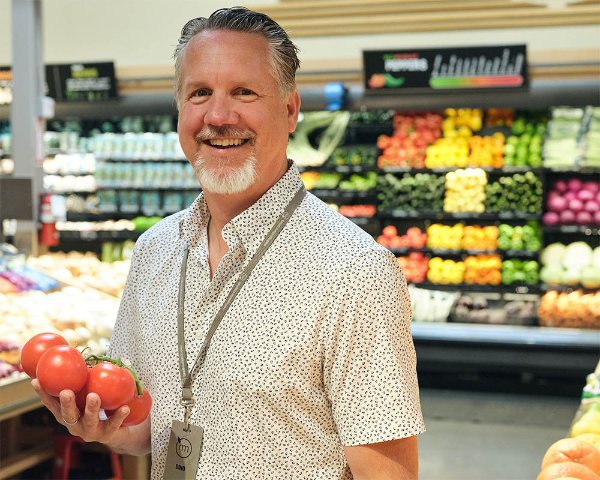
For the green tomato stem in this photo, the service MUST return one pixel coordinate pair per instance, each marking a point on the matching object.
(96, 359)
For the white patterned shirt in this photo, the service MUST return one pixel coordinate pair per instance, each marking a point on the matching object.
(314, 354)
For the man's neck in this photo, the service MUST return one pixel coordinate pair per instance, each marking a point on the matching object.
(224, 207)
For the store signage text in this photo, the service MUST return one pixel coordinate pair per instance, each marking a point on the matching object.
(78, 82)
(82, 82)
(462, 68)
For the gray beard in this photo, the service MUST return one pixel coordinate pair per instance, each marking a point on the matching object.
(225, 180)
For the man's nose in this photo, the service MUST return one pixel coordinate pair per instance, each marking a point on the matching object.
(220, 112)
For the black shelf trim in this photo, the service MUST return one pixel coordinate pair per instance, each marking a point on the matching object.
(97, 235)
(496, 171)
(340, 169)
(464, 287)
(344, 194)
(141, 160)
(149, 189)
(458, 253)
(363, 220)
(567, 288)
(583, 169)
(99, 217)
(568, 229)
(399, 214)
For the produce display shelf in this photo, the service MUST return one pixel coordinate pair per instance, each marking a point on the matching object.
(362, 220)
(141, 160)
(51, 152)
(507, 334)
(386, 128)
(17, 396)
(458, 216)
(16, 464)
(457, 253)
(340, 168)
(567, 288)
(498, 171)
(483, 351)
(70, 174)
(332, 193)
(101, 235)
(465, 287)
(70, 192)
(147, 188)
(576, 229)
(586, 170)
(98, 217)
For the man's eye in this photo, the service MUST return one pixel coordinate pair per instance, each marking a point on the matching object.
(201, 92)
(245, 91)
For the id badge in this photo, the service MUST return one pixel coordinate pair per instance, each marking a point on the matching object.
(183, 452)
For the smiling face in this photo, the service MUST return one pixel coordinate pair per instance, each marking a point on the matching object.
(233, 120)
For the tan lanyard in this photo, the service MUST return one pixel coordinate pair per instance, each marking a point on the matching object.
(187, 399)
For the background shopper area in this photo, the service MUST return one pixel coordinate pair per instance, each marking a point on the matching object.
(489, 200)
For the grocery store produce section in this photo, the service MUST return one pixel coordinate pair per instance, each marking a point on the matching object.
(495, 200)
(492, 214)
(481, 201)
(73, 294)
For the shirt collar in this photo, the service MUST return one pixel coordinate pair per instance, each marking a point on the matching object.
(251, 226)
(194, 220)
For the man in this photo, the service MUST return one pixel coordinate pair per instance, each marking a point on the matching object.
(311, 371)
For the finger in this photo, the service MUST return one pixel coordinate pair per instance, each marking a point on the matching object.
(49, 401)
(92, 411)
(116, 419)
(68, 407)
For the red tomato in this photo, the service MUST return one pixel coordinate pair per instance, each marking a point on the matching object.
(139, 409)
(81, 398)
(35, 347)
(113, 384)
(62, 368)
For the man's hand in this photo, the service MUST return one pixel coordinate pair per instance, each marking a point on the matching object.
(392, 460)
(87, 424)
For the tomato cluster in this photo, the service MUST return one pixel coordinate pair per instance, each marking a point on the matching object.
(49, 358)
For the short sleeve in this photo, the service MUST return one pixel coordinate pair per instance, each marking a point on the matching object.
(369, 357)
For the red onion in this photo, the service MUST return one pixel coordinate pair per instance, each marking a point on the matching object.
(551, 218)
(569, 195)
(585, 195)
(584, 218)
(591, 186)
(567, 217)
(576, 205)
(560, 186)
(574, 184)
(557, 203)
(591, 206)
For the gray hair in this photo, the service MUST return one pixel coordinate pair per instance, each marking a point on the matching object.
(284, 59)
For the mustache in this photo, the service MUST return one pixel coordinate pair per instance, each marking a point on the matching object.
(210, 133)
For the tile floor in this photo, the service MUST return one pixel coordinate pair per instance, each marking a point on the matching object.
(489, 436)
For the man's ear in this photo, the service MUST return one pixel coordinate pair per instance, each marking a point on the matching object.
(293, 109)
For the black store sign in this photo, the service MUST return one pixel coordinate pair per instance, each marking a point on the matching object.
(81, 82)
(443, 69)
